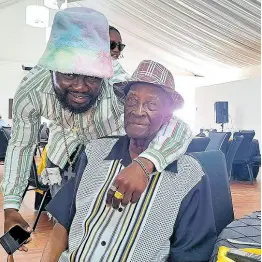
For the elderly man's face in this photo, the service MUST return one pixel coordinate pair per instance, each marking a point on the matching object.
(77, 93)
(147, 108)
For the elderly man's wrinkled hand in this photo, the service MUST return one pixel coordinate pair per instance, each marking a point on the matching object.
(131, 182)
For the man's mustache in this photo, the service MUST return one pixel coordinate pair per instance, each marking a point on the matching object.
(82, 94)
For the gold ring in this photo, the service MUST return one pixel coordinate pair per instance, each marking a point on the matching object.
(118, 195)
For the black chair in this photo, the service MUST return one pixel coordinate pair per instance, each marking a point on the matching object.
(218, 141)
(255, 153)
(243, 153)
(231, 153)
(256, 160)
(5, 134)
(35, 184)
(247, 131)
(198, 144)
(42, 138)
(214, 165)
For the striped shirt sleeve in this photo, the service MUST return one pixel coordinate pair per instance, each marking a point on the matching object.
(169, 144)
(20, 151)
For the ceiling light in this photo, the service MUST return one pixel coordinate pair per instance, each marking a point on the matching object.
(56, 4)
(37, 16)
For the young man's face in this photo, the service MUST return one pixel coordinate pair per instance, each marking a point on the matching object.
(77, 93)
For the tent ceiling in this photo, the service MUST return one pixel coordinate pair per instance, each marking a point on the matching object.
(4, 3)
(201, 36)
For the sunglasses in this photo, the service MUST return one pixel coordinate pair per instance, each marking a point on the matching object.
(114, 44)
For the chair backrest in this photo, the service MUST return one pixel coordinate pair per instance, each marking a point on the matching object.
(214, 165)
(43, 133)
(231, 152)
(5, 134)
(243, 152)
(7, 131)
(198, 144)
(247, 131)
(33, 179)
(218, 141)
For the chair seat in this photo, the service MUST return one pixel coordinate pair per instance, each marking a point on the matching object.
(198, 144)
(256, 159)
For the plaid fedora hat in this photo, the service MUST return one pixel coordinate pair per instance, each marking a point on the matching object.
(154, 73)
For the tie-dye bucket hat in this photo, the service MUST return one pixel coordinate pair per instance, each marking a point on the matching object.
(79, 44)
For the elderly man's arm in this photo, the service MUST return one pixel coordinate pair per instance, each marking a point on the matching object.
(56, 245)
(63, 209)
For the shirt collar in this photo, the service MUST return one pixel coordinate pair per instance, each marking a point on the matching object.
(120, 151)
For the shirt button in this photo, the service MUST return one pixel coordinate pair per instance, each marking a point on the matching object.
(120, 209)
(103, 243)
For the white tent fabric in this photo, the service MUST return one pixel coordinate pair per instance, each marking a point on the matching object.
(4, 3)
(202, 37)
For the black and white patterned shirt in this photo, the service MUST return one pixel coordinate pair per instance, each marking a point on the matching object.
(172, 221)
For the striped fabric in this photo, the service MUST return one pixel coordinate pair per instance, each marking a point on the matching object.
(199, 36)
(99, 233)
(35, 98)
(152, 72)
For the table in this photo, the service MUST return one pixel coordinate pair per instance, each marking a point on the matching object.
(246, 229)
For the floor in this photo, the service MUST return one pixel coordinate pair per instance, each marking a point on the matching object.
(246, 199)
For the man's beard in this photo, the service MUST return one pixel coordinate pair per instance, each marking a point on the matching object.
(78, 108)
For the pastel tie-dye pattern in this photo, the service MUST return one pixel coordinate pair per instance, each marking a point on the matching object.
(79, 43)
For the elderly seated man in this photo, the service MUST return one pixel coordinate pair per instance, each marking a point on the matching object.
(173, 219)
